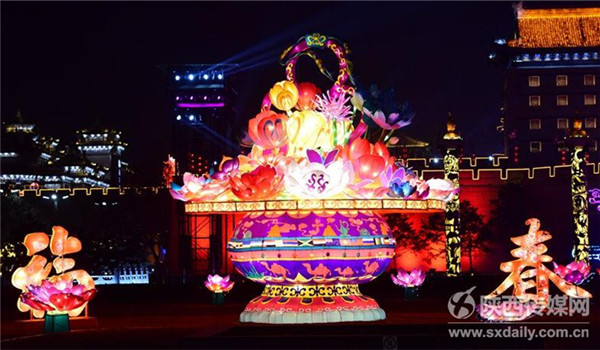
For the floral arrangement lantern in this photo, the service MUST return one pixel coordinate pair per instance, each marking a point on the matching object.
(313, 186)
(59, 296)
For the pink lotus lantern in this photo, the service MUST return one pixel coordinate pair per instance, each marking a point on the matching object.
(58, 295)
(218, 284)
(410, 281)
(575, 272)
(413, 279)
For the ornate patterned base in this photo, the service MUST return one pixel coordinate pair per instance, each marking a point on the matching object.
(312, 304)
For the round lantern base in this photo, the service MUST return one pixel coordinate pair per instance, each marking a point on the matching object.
(312, 304)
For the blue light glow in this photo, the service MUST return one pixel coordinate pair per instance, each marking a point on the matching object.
(205, 76)
(191, 77)
(220, 76)
(177, 77)
(191, 117)
(178, 117)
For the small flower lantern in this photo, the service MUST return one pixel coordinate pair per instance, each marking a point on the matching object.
(410, 281)
(218, 286)
(575, 272)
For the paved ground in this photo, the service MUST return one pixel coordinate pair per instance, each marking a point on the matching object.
(181, 317)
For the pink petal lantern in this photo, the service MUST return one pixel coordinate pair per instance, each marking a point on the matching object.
(405, 279)
(218, 284)
(575, 272)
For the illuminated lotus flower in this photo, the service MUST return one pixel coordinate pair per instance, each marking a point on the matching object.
(261, 183)
(367, 160)
(392, 122)
(284, 95)
(413, 279)
(198, 188)
(333, 107)
(441, 189)
(399, 186)
(421, 186)
(58, 296)
(218, 284)
(306, 95)
(229, 167)
(575, 272)
(319, 178)
(308, 130)
(268, 129)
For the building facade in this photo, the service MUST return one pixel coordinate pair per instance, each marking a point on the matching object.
(30, 160)
(553, 73)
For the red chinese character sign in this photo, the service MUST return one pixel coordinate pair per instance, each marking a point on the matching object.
(318, 173)
(525, 273)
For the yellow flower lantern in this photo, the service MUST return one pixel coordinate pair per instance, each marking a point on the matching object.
(284, 95)
(308, 130)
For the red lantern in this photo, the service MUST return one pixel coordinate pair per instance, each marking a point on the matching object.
(262, 183)
(368, 160)
(268, 129)
(306, 95)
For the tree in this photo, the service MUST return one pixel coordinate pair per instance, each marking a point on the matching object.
(411, 240)
(474, 233)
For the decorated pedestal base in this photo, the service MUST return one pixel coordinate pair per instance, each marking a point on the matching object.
(312, 263)
(56, 322)
(312, 304)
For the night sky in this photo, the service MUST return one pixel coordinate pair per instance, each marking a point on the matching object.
(65, 65)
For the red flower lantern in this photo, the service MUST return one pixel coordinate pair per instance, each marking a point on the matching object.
(262, 183)
(268, 129)
(306, 95)
(368, 160)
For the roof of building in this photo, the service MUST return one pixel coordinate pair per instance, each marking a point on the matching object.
(564, 27)
(407, 141)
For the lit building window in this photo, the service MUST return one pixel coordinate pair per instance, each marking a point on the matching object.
(589, 100)
(535, 124)
(562, 100)
(589, 80)
(590, 123)
(534, 80)
(562, 80)
(535, 146)
(562, 123)
(535, 101)
(594, 146)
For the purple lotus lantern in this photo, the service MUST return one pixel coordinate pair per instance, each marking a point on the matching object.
(410, 281)
(575, 272)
